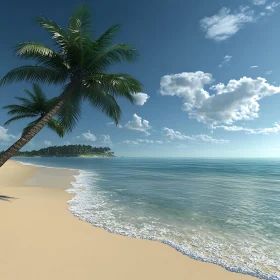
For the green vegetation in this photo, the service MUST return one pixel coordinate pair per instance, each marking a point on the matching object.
(69, 151)
(79, 63)
(36, 105)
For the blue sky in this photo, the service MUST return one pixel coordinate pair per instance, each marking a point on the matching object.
(210, 76)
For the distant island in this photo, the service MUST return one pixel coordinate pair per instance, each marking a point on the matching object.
(68, 151)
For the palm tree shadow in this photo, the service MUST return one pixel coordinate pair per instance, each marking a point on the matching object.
(6, 198)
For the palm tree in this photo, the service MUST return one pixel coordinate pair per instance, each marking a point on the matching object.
(79, 63)
(37, 106)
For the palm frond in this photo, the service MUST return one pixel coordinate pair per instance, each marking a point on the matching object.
(81, 21)
(99, 59)
(30, 126)
(70, 112)
(106, 38)
(103, 102)
(33, 73)
(19, 110)
(19, 117)
(41, 54)
(58, 34)
(51, 103)
(118, 53)
(122, 85)
(25, 100)
(40, 97)
(56, 127)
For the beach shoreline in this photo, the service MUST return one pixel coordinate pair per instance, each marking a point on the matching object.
(43, 240)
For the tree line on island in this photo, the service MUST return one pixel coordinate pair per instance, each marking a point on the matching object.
(68, 151)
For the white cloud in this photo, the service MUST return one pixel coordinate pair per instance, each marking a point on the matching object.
(47, 143)
(176, 135)
(89, 136)
(141, 98)
(254, 66)
(226, 61)
(137, 123)
(106, 140)
(266, 131)
(226, 24)
(258, 2)
(268, 72)
(271, 7)
(208, 138)
(172, 134)
(236, 101)
(130, 142)
(142, 141)
(112, 123)
(67, 143)
(4, 136)
(189, 86)
(145, 141)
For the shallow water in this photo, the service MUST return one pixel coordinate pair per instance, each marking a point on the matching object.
(225, 211)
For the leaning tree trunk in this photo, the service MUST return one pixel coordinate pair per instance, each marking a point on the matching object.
(25, 138)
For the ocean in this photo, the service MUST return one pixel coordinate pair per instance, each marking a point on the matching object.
(223, 211)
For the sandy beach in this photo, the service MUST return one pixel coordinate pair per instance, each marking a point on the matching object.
(42, 240)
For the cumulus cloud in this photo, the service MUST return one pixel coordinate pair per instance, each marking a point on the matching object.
(176, 135)
(189, 86)
(4, 136)
(225, 24)
(236, 101)
(106, 140)
(89, 136)
(141, 98)
(137, 123)
(266, 131)
(226, 61)
(47, 143)
(172, 134)
(268, 72)
(254, 66)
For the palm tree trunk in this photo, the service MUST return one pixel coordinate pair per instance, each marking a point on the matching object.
(25, 138)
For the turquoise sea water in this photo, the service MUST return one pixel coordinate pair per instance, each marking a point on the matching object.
(224, 211)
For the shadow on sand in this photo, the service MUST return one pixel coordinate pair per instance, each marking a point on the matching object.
(6, 198)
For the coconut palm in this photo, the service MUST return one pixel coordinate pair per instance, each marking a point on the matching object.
(35, 106)
(80, 63)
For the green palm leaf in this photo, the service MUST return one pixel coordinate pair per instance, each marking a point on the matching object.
(106, 38)
(116, 84)
(57, 127)
(33, 73)
(41, 54)
(36, 106)
(59, 35)
(16, 118)
(18, 109)
(103, 102)
(81, 21)
(70, 112)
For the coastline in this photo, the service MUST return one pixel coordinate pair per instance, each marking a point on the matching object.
(41, 239)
